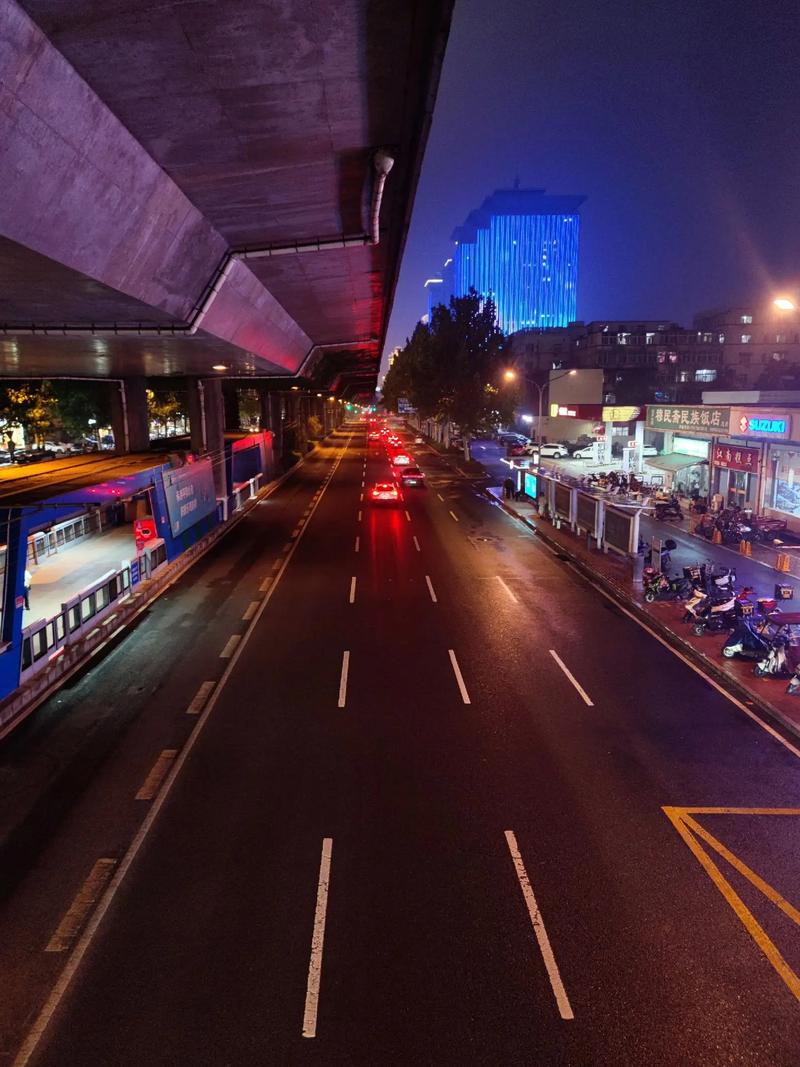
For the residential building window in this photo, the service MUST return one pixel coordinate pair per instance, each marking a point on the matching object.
(705, 374)
(781, 339)
(779, 356)
(722, 338)
(684, 376)
(650, 338)
(746, 320)
(746, 338)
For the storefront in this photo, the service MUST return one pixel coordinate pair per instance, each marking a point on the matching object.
(736, 473)
(689, 431)
(767, 476)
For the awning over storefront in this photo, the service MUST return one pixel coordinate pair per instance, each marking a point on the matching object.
(674, 461)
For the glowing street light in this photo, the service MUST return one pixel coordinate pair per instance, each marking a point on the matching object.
(784, 303)
(511, 375)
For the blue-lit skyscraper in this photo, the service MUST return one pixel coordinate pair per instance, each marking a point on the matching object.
(521, 248)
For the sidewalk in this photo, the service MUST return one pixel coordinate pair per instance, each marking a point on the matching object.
(615, 574)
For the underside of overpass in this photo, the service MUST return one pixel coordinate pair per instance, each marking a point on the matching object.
(191, 185)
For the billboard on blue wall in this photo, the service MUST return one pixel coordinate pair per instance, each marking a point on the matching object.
(190, 494)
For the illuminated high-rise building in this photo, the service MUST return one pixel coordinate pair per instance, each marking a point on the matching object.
(521, 248)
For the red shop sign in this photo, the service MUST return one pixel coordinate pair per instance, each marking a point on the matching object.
(735, 458)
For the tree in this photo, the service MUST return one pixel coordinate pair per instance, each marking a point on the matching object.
(29, 406)
(165, 406)
(81, 407)
(452, 368)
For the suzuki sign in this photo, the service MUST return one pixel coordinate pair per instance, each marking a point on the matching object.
(774, 424)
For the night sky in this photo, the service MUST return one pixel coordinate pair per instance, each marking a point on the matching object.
(679, 121)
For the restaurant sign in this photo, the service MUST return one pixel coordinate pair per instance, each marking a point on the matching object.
(700, 418)
(736, 458)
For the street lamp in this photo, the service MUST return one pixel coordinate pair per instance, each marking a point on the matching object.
(511, 375)
(784, 303)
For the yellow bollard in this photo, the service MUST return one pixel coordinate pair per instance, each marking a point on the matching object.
(745, 548)
(783, 562)
(716, 537)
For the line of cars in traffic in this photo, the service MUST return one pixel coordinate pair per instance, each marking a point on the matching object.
(518, 445)
(405, 472)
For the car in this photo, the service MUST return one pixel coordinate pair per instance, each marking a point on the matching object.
(419, 440)
(513, 439)
(384, 493)
(412, 475)
(374, 435)
(524, 450)
(553, 451)
(587, 452)
(649, 450)
(57, 446)
(401, 459)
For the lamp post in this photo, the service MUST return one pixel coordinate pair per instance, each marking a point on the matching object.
(511, 375)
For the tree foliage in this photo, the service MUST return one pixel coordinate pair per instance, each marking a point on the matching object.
(452, 368)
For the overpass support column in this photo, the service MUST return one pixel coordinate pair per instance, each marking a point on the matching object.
(207, 426)
(130, 423)
(271, 407)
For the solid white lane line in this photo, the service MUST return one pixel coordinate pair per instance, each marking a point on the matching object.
(571, 677)
(317, 941)
(430, 589)
(359, 516)
(265, 584)
(537, 922)
(200, 697)
(86, 897)
(343, 679)
(416, 545)
(250, 610)
(353, 590)
(440, 497)
(361, 498)
(160, 769)
(358, 544)
(512, 595)
(459, 677)
(408, 517)
(230, 647)
(455, 516)
(37, 1029)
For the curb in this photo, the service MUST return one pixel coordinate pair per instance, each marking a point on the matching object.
(736, 688)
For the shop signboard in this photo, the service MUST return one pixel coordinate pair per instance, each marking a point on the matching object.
(620, 413)
(699, 418)
(769, 424)
(136, 573)
(530, 485)
(735, 458)
(190, 494)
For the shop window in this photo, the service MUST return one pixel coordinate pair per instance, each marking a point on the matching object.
(705, 374)
(786, 483)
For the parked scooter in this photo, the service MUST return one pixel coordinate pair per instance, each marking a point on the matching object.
(669, 509)
(658, 586)
(714, 613)
(748, 642)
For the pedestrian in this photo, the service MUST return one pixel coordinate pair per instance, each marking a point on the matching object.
(12, 448)
(27, 590)
(508, 488)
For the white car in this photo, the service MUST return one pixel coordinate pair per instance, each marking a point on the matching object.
(587, 452)
(553, 451)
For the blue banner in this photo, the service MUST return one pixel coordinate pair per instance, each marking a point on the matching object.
(190, 494)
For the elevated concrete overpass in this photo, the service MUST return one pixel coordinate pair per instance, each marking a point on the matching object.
(189, 186)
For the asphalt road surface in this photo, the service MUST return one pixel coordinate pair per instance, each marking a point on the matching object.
(415, 816)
